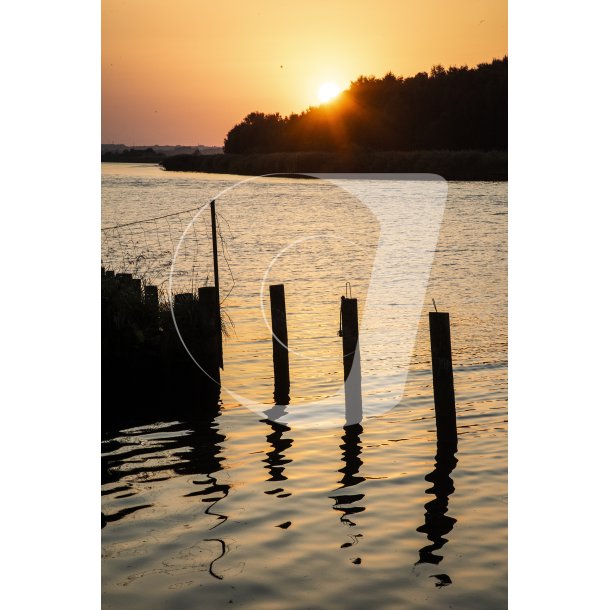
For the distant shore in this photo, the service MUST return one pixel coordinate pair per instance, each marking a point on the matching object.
(450, 164)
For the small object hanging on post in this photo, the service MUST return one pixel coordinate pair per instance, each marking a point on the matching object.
(347, 286)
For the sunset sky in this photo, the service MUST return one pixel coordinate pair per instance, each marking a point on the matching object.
(184, 72)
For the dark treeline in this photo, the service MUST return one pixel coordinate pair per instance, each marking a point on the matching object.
(133, 155)
(450, 164)
(448, 109)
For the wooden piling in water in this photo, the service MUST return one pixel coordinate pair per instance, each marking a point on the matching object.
(151, 303)
(183, 298)
(442, 376)
(123, 282)
(183, 313)
(151, 298)
(210, 329)
(352, 375)
(281, 366)
(349, 327)
(136, 287)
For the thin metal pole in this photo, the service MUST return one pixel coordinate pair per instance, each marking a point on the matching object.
(216, 283)
(215, 247)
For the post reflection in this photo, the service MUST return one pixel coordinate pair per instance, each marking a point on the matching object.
(276, 459)
(350, 504)
(204, 457)
(437, 524)
(192, 437)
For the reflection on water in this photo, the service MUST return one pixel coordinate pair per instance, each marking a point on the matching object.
(348, 504)
(189, 488)
(276, 458)
(203, 457)
(437, 523)
(180, 507)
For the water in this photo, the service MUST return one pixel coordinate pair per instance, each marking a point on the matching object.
(219, 507)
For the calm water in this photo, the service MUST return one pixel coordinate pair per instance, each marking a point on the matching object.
(223, 508)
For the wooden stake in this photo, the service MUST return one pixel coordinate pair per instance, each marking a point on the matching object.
(349, 325)
(281, 367)
(183, 298)
(136, 286)
(208, 305)
(151, 297)
(442, 376)
(151, 302)
(352, 375)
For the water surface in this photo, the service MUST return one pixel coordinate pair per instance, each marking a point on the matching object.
(214, 506)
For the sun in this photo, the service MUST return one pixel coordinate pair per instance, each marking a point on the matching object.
(328, 91)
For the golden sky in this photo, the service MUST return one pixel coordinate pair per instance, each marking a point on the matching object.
(186, 71)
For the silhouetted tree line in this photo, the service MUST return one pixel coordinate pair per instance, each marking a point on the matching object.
(448, 109)
(134, 155)
(451, 164)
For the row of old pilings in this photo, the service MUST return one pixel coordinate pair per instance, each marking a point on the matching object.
(143, 345)
(145, 366)
(442, 366)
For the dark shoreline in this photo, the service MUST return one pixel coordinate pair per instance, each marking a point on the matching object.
(451, 165)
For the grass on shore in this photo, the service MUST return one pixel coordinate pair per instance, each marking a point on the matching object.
(451, 165)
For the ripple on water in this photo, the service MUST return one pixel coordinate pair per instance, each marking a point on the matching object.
(230, 509)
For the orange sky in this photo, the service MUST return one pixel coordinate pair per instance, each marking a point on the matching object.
(186, 71)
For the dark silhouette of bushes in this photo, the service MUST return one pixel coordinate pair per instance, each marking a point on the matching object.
(450, 164)
(448, 109)
(133, 155)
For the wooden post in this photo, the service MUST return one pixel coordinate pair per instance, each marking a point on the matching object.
(216, 281)
(185, 329)
(184, 298)
(151, 298)
(183, 305)
(208, 352)
(124, 281)
(151, 302)
(136, 287)
(281, 367)
(352, 375)
(349, 326)
(442, 376)
(437, 523)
